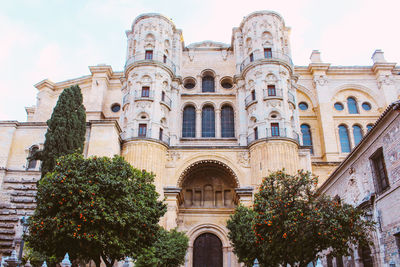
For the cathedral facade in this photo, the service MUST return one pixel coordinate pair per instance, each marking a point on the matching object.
(209, 119)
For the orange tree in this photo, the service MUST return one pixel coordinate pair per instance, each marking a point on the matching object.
(95, 208)
(292, 223)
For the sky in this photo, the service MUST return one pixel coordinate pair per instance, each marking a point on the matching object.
(59, 39)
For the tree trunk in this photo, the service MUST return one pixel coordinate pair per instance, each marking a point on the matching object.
(97, 261)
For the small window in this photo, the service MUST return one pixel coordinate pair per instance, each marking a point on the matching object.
(165, 59)
(32, 162)
(255, 133)
(145, 91)
(303, 106)
(142, 130)
(338, 106)
(160, 135)
(251, 57)
(115, 107)
(369, 127)
(189, 83)
(275, 129)
(267, 53)
(226, 83)
(148, 55)
(208, 84)
(366, 106)
(253, 95)
(271, 90)
(306, 133)
(163, 96)
(379, 170)
(344, 139)
(352, 105)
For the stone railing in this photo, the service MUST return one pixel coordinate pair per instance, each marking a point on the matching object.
(268, 56)
(155, 57)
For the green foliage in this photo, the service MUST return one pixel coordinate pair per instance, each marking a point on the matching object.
(169, 250)
(96, 207)
(66, 129)
(241, 234)
(293, 223)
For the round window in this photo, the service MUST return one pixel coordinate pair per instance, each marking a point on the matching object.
(366, 106)
(303, 106)
(189, 83)
(227, 83)
(338, 106)
(115, 107)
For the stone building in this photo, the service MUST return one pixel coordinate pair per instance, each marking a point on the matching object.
(209, 119)
(369, 177)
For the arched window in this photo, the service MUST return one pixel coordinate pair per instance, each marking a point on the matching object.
(208, 122)
(208, 84)
(32, 162)
(306, 133)
(357, 134)
(369, 127)
(227, 122)
(352, 105)
(189, 122)
(344, 138)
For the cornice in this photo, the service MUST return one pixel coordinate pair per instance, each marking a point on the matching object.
(46, 83)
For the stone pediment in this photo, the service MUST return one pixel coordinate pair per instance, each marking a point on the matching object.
(208, 45)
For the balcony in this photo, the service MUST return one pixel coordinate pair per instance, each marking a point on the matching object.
(153, 58)
(269, 95)
(166, 101)
(273, 56)
(281, 132)
(250, 99)
(134, 134)
(149, 96)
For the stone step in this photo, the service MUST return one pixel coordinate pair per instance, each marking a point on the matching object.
(21, 181)
(20, 187)
(23, 200)
(7, 231)
(6, 237)
(23, 193)
(5, 218)
(7, 225)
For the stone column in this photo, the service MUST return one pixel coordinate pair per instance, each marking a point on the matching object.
(198, 123)
(172, 200)
(242, 113)
(175, 109)
(218, 123)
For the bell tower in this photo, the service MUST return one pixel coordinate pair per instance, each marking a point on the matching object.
(267, 93)
(150, 95)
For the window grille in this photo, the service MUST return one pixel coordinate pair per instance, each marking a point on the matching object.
(227, 122)
(208, 122)
(379, 170)
(189, 122)
(344, 139)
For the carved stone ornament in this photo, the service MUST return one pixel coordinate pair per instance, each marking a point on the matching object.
(320, 80)
(173, 155)
(224, 54)
(243, 158)
(385, 80)
(191, 55)
(159, 76)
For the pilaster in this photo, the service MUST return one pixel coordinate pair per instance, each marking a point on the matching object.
(384, 77)
(171, 195)
(101, 75)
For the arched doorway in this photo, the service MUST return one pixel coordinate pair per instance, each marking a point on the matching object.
(207, 251)
(365, 255)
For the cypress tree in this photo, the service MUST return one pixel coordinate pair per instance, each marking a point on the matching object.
(66, 129)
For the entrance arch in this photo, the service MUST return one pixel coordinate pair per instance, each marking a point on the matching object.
(207, 251)
(208, 184)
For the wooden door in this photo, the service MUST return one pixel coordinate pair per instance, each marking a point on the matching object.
(207, 251)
